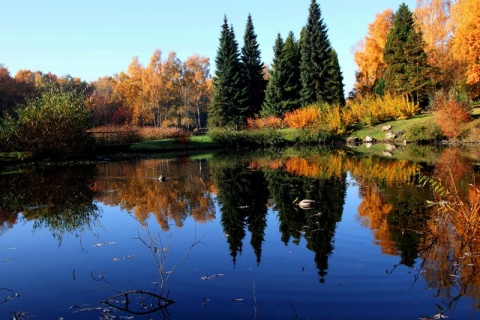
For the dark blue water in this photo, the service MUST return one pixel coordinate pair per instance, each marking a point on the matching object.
(51, 270)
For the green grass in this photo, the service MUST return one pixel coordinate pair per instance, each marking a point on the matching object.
(397, 125)
(193, 143)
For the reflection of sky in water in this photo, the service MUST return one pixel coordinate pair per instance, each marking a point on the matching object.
(50, 277)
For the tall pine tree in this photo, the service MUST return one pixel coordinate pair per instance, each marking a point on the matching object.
(227, 105)
(336, 94)
(273, 93)
(407, 69)
(254, 83)
(315, 58)
(290, 65)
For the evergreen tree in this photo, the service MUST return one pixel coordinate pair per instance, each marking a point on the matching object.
(273, 93)
(253, 80)
(407, 69)
(290, 66)
(336, 93)
(227, 104)
(315, 58)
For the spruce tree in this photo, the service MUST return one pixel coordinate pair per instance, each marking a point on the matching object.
(335, 93)
(407, 69)
(273, 93)
(227, 104)
(290, 66)
(254, 83)
(315, 58)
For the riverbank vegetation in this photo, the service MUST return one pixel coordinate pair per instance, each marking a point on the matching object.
(417, 77)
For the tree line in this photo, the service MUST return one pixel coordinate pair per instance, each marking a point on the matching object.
(419, 53)
(303, 72)
(414, 54)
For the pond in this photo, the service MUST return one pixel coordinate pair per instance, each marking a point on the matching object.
(228, 236)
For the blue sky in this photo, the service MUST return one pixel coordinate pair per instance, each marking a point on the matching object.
(95, 38)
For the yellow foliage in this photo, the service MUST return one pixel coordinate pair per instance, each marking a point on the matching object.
(371, 109)
(307, 117)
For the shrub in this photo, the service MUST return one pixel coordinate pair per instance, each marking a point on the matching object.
(307, 117)
(270, 122)
(262, 138)
(53, 126)
(451, 115)
(425, 132)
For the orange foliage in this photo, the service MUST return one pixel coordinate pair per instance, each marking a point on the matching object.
(434, 20)
(270, 122)
(307, 117)
(369, 53)
(451, 115)
(452, 164)
(466, 41)
(374, 211)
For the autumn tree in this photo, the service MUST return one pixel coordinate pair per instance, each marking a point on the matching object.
(228, 99)
(153, 86)
(195, 90)
(315, 59)
(172, 75)
(254, 84)
(103, 101)
(467, 38)
(368, 54)
(8, 91)
(434, 19)
(130, 87)
(407, 70)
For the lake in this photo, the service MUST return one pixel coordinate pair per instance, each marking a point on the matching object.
(228, 236)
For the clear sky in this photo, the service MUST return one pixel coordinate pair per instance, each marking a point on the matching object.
(95, 38)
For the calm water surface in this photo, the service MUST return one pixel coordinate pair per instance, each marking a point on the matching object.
(229, 239)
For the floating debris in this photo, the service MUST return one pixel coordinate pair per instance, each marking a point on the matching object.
(7, 260)
(116, 259)
(238, 299)
(101, 244)
(9, 248)
(212, 276)
(129, 257)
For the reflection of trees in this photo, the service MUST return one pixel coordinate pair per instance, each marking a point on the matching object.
(316, 225)
(135, 187)
(60, 199)
(243, 196)
(451, 258)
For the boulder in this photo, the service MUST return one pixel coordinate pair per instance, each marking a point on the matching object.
(390, 135)
(368, 139)
(386, 128)
(353, 141)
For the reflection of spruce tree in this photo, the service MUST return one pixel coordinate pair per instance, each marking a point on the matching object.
(408, 219)
(319, 223)
(60, 199)
(284, 190)
(243, 197)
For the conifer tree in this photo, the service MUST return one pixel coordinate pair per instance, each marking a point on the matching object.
(407, 69)
(254, 83)
(315, 58)
(227, 104)
(290, 66)
(336, 93)
(273, 93)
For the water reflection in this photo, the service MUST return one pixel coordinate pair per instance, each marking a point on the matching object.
(135, 186)
(59, 199)
(248, 188)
